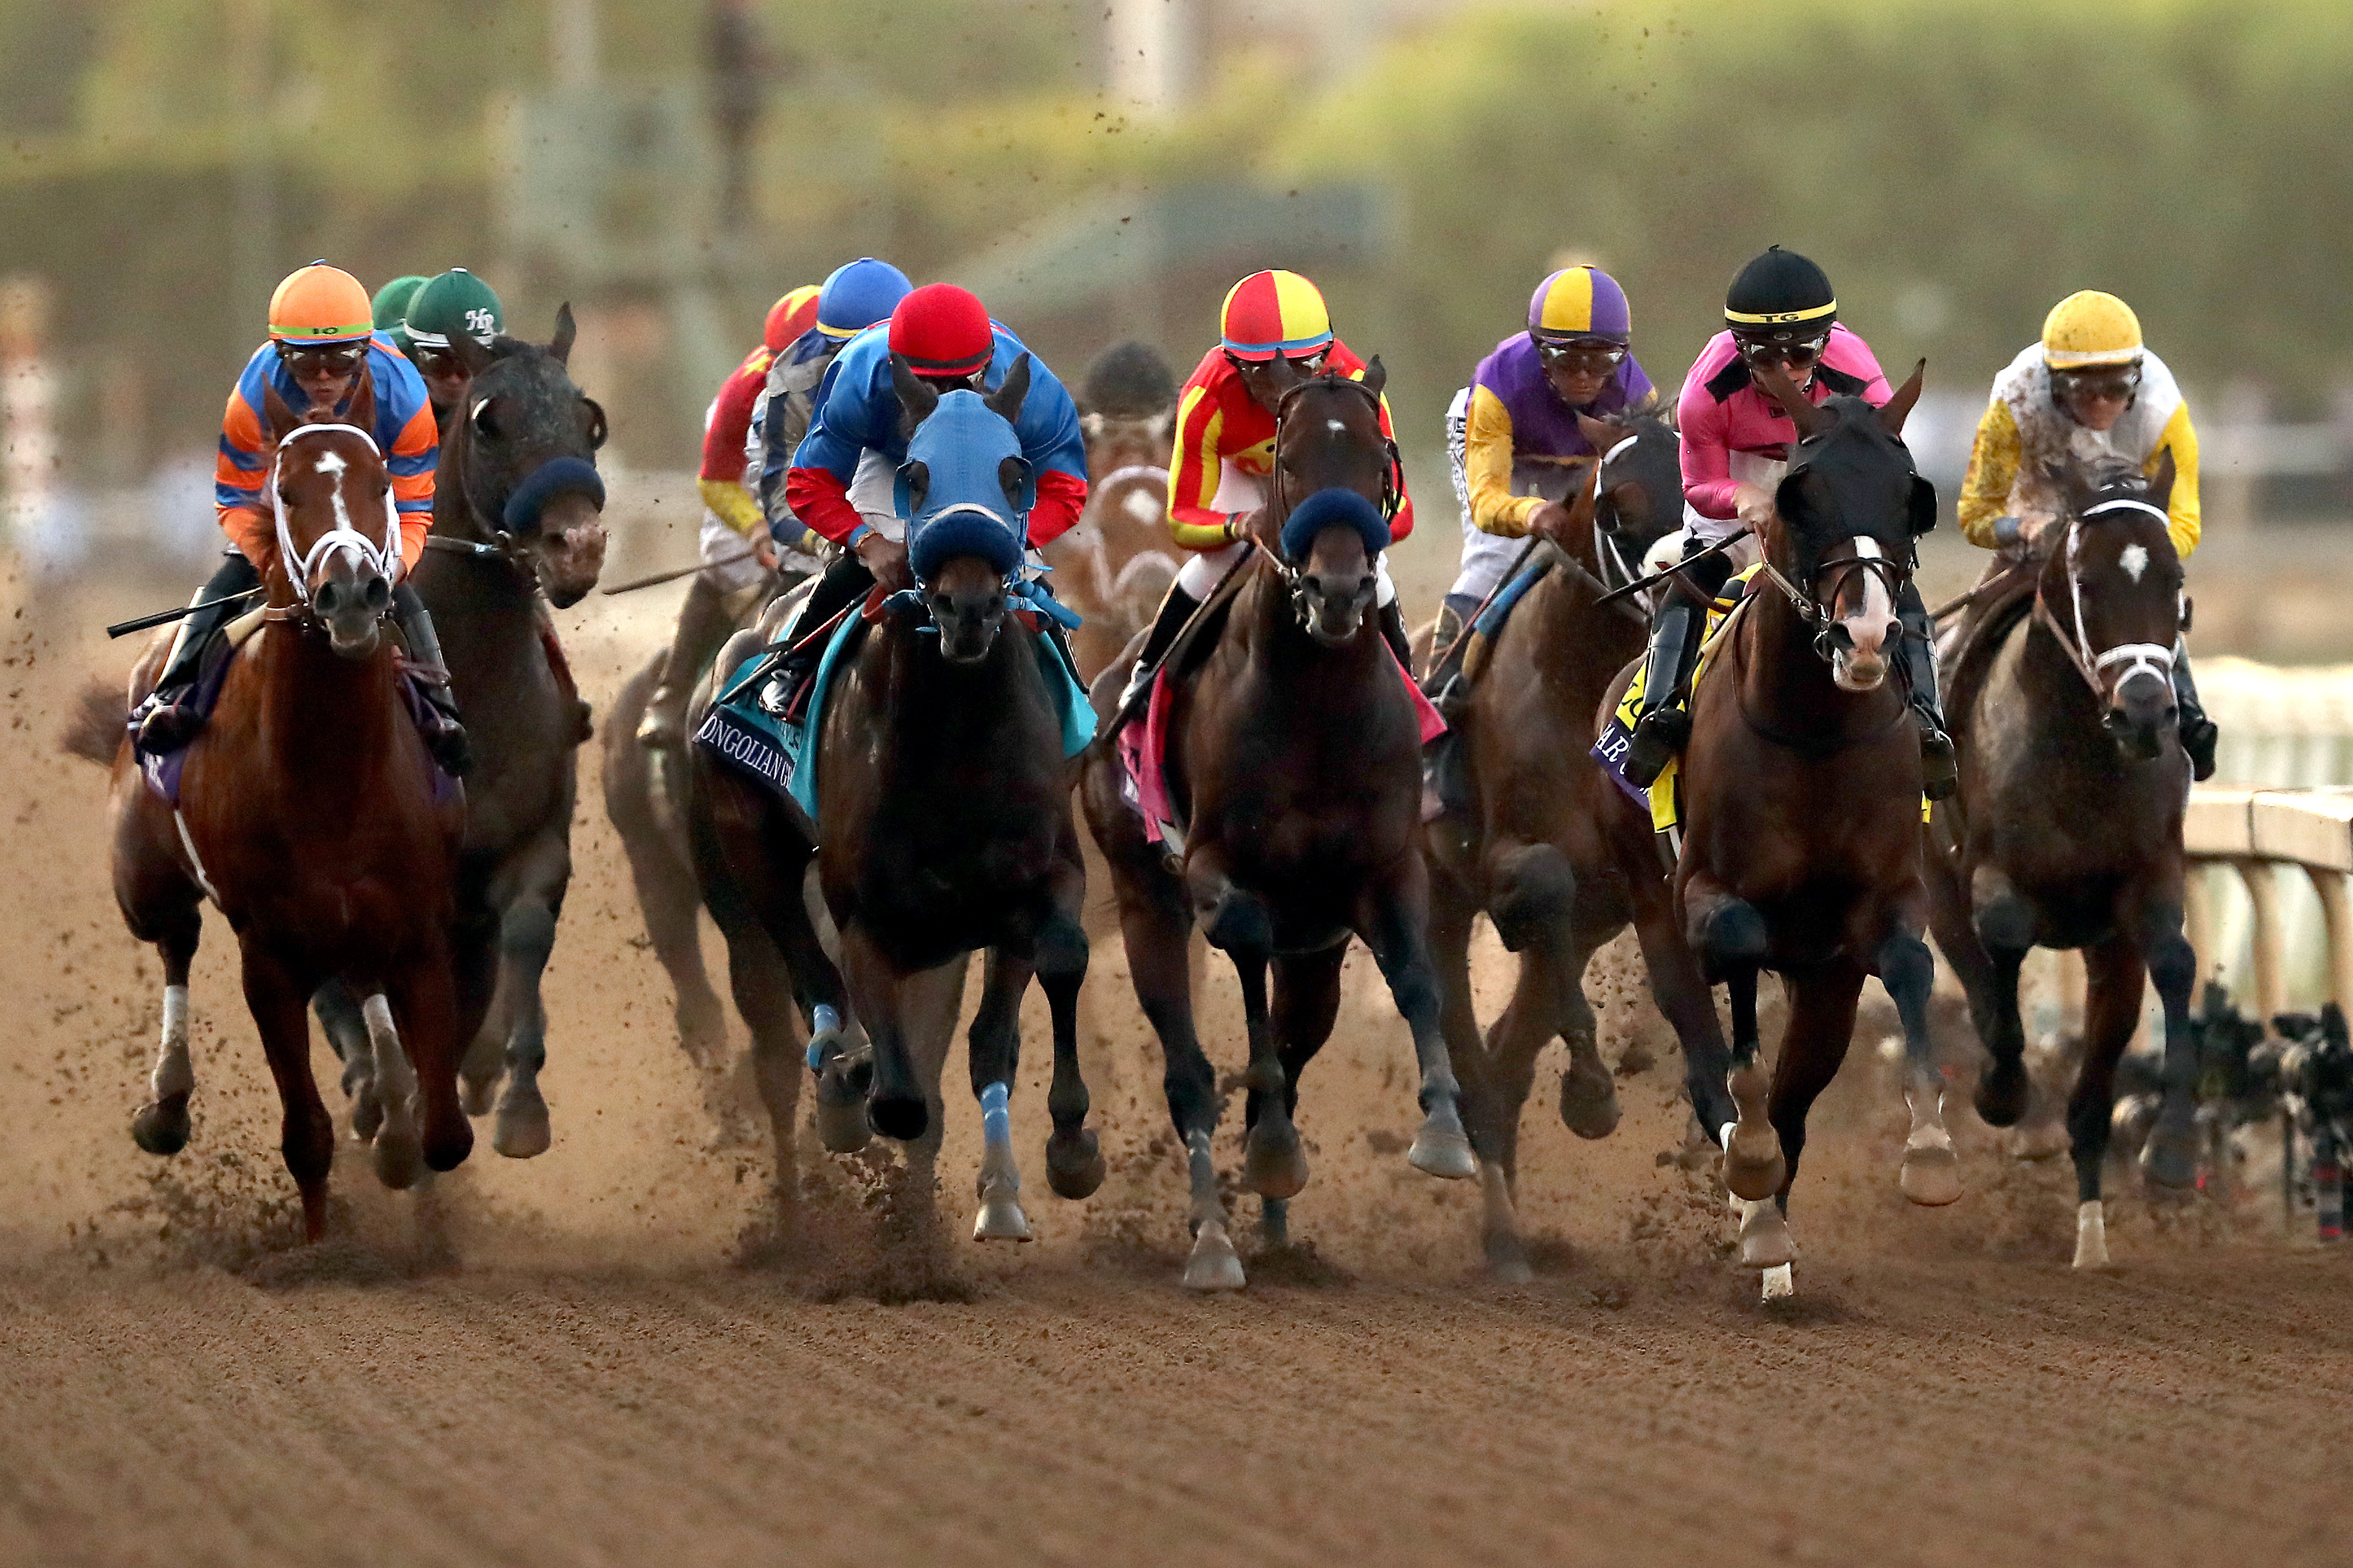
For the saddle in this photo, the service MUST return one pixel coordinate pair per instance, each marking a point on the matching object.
(1998, 605)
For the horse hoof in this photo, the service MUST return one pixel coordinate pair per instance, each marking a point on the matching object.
(477, 1096)
(2043, 1141)
(1274, 1165)
(1764, 1238)
(1636, 1058)
(161, 1127)
(842, 1128)
(1752, 1164)
(2091, 1236)
(1588, 1101)
(1507, 1260)
(905, 1120)
(522, 1132)
(399, 1160)
(1001, 1219)
(367, 1113)
(1779, 1284)
(1214, 1264)
(2169, 1159)
(2002, 1095)
(1931, 1176)
(1442, 1151)
(1074, 1166)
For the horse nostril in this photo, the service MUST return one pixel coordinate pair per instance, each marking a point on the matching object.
(379, 594)
(328, 595)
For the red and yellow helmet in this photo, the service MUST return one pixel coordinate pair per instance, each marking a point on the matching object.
(790, 317)
(1270, 314)
(321, 304)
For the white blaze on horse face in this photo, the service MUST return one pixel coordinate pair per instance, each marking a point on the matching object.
(2134, 559)
(1862, 665)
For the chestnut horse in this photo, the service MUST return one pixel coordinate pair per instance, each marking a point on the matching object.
(1295, 752)
(309, 814)
(1534, 851)
(1801, 839)
(2069, 828)
(1116, 565)
(943, 825)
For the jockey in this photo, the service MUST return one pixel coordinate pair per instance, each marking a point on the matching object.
(737, 554)
(843, 478)
(321, 344)
(855, 296)
(390, 308)
(456, 302)
(1275, 332)
(1518, 452)
(2088, 390)
(1735, 445)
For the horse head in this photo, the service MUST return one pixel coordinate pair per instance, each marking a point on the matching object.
(1845, 515)
(338, 527)
(526, 468)
(1330, 451)
(966, 491)
(1637, 488)
(2114, 587)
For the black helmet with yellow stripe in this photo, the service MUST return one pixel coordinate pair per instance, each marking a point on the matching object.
(1780, 296)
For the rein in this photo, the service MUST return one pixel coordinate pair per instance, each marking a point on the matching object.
(1810, 610)
(1805, 745)
(2138, 658)
(384, 559)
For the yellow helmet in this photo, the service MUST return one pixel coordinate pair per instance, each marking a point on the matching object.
(2089, 328)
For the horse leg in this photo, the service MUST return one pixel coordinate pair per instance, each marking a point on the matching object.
(424, 999)
(161, 1125)
(1075, 1161)
(526, 937)
(1493, 1124)
(1395, 923)
(1533, 901)
(1987, 952)
(1822, 1022)
(2112, 995)
(669, 900)
(896, 1105)
(994, 1052)
(761, 986)
(399, 1147)
(1684, 999)
(347, 1033)
(927, 1004)
(1274, 1165)
(1931, 1176)
(1727, 936)
(2170, 1157)
(474, 971)
(281, 1013)
(1306, 1004)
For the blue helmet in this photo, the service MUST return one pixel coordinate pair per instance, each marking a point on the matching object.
(857, 295)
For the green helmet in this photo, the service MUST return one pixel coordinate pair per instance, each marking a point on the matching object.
(459, 302)
(391, 307)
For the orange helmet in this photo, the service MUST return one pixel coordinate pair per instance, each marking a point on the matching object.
(1270, 314)
(321, 304)
(790, 317)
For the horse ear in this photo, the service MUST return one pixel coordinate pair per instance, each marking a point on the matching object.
(559, 347)
(917, 398)
(1376, 377)
(475, 358)
(2068, 480)
(2161, 481)
(363, 410)
(1898, 408)
(1007, 400)
(1809, 419)
(275, 412)
(1601, 433)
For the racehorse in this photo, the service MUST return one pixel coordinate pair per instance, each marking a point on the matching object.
(308, 813)
(1296, 749)
(516, 506)
(1115, 565)
(2069, 828)
(1801, 783)
(944, 819)
(1534, 851)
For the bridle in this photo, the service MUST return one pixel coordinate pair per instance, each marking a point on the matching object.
(1816, 612)
(500, 545)
(1392, 493)
(2137, 657)
(382, 558)
(1617, 572)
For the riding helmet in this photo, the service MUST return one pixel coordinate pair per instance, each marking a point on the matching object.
(319, 304)
(1272, 313)
(1580, 302)
(2088, 329)
(943, 332)
(459, 302)
(1778, 294)
(789, 318)
(857, 294)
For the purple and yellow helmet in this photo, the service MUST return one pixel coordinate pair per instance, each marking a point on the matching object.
(1580, 302)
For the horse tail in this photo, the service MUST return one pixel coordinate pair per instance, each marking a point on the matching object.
(94, 732)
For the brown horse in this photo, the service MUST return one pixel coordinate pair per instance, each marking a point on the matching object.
(308, 813)
(1801, 847)
(1295, 752)
(1534, 851)
(1116, 565)
(2069, 829)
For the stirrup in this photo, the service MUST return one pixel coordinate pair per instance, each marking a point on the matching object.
(168, 725)
(1658, 738)
(1940, 771)
(2197, 737)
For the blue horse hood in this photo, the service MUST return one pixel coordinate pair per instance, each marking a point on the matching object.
(959, 453)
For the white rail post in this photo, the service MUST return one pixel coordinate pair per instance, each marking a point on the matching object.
(2330, 886)
(2262, 894)
(2198, 917)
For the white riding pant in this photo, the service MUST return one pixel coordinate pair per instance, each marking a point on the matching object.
(1486, 556)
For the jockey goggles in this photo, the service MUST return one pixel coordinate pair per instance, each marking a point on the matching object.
(338, 359)
(1307, 364)
(2106, 383)
(1592, 356)
(437, 362)
(1782, 350)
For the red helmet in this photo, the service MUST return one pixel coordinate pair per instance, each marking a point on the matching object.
(943, 332)
(790, 317)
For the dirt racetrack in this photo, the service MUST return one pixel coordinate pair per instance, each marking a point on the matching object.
(619, 1353)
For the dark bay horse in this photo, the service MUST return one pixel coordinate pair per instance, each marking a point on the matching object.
(1295, 752)
(1116, 564)
(1802, 849)
(944, 819)
(308, 813)
(516, 507)
(2069, 828)
(1534, 852)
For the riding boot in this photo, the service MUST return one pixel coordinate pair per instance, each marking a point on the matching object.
(445, 737)
(704, 623)
(1940, 774)
(1175, 609)
(845, 583)
(1664, 726)
(1444, 633)
(168, 719)
(2197, 730)
(1392, 619)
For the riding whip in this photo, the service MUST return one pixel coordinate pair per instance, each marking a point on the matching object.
(658, 578)
(165, 618)
(1636, 586)
(1471, 621)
